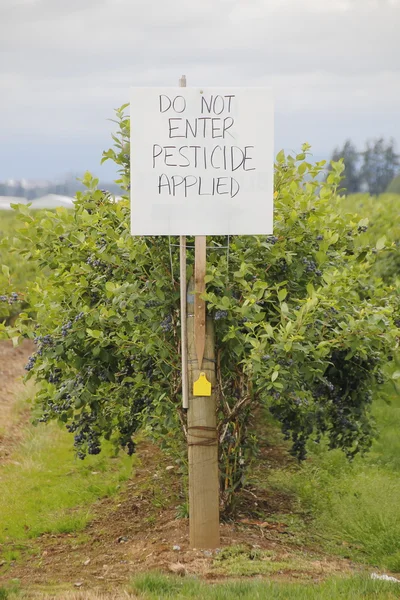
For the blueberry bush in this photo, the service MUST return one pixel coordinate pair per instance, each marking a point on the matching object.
(14, 274)
(383, 231)
(303, 328)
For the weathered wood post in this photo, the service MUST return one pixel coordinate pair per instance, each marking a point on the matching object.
(202, 438)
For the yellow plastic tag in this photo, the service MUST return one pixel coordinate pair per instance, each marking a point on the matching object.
(202, 387)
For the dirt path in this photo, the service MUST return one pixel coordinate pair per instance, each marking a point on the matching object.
(12, 362)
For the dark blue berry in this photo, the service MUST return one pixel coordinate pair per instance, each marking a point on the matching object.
(220, 314)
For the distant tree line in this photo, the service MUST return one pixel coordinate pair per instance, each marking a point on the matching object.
(370, 170)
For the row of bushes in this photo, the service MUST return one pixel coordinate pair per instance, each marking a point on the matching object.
(15, 272)
(383, 229)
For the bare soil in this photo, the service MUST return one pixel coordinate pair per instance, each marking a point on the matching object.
(12, 362)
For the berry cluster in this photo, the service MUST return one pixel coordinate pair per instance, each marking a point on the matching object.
(31, 362)
(282, 265)
(42, 342)
(152, 304)
(132, 422)
(88, 440)
(45, 340)
(65, 328)
(95, 262)
(338, 406)
(166, 324)
(54, 376)
(60, 407)
(271, 239)
(220, 314)
(11, 299)
(311, 267)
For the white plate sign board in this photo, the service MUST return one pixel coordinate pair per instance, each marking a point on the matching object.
(201, 161)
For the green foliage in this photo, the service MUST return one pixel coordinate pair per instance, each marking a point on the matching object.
(14, 273)
(300, 326)
(44, 489)
(394, 186)
(354, 506)
(383, 236)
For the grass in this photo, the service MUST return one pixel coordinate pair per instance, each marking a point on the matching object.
(45, 489)
(354, 507)
(241, 561)
(12, 417)
(152, 586)
(155, 586)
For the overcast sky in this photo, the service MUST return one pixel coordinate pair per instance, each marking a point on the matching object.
(65, 65)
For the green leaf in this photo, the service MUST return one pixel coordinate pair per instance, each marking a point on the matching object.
(280, 157)
(381, 243)
(274, 375)
(302, 168)
(6, 271)
(334, 238)
(284, 308)
(310, 290)
(282, 294)
(94, 333)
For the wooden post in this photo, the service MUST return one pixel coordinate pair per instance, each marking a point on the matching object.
(184, 362)
(202, 439)
(200, 264)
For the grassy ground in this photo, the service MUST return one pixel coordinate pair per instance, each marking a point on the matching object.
(154, 586)
(45, 489)
(353, 508)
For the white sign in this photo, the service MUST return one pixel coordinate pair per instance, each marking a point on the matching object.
(201, 161)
